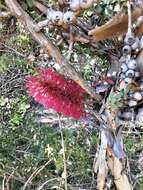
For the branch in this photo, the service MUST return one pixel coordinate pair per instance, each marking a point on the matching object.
(80, 36)
(40, 6)
(32, 27)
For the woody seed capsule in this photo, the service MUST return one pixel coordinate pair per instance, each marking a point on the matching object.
(124, 68)
(122, 76)
(57, 16)
(127, 49)
(141, 86)
(68, 17)
(128, 80)
(54, 16)
(127, 115)
(132, 64)
(137, 74)
(135, 44)
(129, 39)
(137, 96)
(132, 103)
(74, 5)
(122, 59)
(130, 73)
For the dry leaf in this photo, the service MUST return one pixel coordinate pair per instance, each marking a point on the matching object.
(120, 178)
(139, 30)
(115, 27)
(102, 174)
(103, 169)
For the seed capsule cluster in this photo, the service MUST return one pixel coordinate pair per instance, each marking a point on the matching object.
(59, 18)
(131, 75)
(129, 67)
(128, 75)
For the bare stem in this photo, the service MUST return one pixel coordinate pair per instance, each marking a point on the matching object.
(35, 173)
(129, 18)
(70, 44)
(64, 156)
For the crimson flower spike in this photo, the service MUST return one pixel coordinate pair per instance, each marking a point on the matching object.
(53, 90)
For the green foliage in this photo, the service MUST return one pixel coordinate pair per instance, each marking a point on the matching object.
(106, 9)
(27, 146)
(139, 185)
(5, 61)
(23, 40)
(2, 4)
(116, 99)
(134, 147)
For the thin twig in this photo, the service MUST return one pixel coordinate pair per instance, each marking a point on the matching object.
(70, 44)
(64, 156)
(10, 176)
(3, 183)
(35, 173)
(129, 18)
(12, 49)
(45, 183)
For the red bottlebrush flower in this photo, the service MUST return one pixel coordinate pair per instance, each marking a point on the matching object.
(52, 90)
